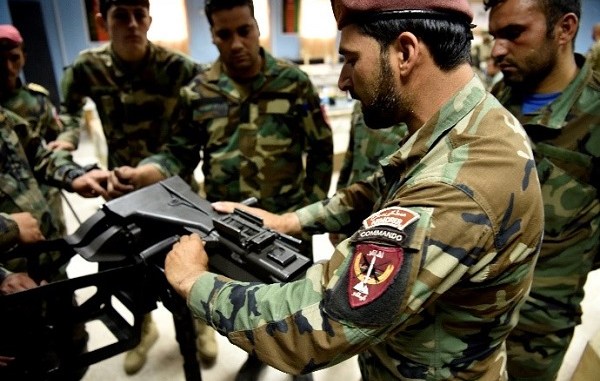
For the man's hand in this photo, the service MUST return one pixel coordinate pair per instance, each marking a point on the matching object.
(29, 227)
(92, 183)
(60, 145)
(126, 179)
(5, 360)
(286, 223)
(18, 282)
(186, 261)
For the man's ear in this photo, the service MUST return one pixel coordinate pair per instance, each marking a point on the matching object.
(100, 22)
(566, 28)
(406, 49)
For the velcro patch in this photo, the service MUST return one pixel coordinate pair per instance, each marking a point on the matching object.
(372, 271)
(394, 217)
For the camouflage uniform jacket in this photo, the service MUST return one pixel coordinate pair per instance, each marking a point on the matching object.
(24, 161)
(135, 107)
(430, 286)
(366, 147)
(32, 103)
(566, 144)
(253, 146)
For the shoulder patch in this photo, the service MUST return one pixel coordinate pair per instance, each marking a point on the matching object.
(372, 271)
(394, 217)
(38, 88)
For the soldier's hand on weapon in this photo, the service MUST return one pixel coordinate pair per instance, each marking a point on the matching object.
(186, 261)
(126, 179)
(60, 145)
(286, 223)
(5, 360)
(92, 183)
(17, 282)
(29, 227)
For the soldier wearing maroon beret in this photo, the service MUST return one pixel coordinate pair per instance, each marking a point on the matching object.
(442, 241)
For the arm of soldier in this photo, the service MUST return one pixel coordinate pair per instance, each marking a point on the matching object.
(126, 179)
(335, 214)
(181, 154)
(319, 145)
(71, 110)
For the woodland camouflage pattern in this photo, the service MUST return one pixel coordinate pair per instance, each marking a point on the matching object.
(23, 160)
(253, 145)
(366, 147)
(32, 103)
(468, 260)
(135, 108)
(566, 137)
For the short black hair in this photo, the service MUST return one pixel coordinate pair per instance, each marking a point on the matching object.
(212, 6)
(106, 4)
(553, 9)
(448, 39)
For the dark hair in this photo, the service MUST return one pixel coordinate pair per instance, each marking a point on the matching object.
(448, 40)
(212, 6)
(106, 4)
(553, 9)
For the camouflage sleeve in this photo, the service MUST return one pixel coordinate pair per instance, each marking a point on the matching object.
(71, 109)
(181, 154)
(342, 212)
(9, 232)
(325, 318)
(319, 145)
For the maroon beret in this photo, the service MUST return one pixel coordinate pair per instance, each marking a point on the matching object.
(348, 11)
(9, 37)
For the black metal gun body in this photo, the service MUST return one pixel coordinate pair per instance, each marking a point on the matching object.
(129, 238)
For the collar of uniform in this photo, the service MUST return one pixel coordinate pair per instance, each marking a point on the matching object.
(552, 116)
(121, 67)
(416, 145)
(215, 72)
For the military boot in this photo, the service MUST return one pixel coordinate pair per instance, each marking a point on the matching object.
(206, 343)
(136, 358)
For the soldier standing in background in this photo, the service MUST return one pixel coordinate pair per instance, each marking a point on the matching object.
(446, 235)
(26, 218)
(31, 102)
(556, 96)
(134, 84)
(256, 120)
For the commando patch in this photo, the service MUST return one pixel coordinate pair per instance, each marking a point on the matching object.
(394, 217)
(372, 271)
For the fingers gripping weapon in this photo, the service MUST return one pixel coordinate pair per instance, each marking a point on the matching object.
(129, 238)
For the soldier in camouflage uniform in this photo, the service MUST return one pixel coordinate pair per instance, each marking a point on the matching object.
(556, 96)
(23, 160)
(430, 284)
(366, 147)
(134, 84)
(255, 120)
(31, 102)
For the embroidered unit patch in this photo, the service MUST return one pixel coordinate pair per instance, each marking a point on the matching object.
(373, 270)
(395, 217)
(378, 255)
